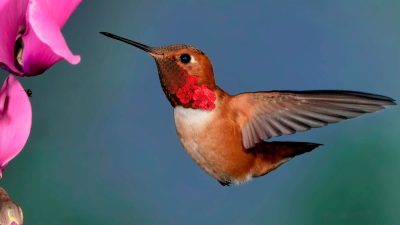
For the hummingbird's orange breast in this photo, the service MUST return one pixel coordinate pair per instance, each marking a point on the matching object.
(213, 140)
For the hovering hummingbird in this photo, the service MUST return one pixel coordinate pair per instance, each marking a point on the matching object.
(225, 134)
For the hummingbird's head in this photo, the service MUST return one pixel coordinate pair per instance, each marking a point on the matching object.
(182, 69)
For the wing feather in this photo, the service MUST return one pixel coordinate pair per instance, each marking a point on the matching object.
(275, 113)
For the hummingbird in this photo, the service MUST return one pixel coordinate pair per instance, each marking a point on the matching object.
(226, 135)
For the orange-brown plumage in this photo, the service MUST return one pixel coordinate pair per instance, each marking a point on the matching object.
(225, 134)
(220, 144)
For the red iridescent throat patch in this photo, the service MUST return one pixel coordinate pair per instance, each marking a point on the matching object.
(195, 96)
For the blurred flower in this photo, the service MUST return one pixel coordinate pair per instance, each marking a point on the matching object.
(30, 42)
(10, 213)
(15, 120)
(30, 35)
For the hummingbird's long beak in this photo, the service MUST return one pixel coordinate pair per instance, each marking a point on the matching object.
(145, 48)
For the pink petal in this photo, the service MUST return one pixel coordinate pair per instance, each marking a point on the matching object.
(12, 19)
(15, 120)
(43, 41)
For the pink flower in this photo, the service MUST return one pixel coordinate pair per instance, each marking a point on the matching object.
(30, 35)
(15, 120)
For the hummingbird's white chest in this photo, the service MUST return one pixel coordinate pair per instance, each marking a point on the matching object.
(196, 119)
(191, 125)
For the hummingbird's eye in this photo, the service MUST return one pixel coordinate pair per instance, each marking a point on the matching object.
(185, 58)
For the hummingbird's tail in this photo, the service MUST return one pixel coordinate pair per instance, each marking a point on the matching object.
(270, 155)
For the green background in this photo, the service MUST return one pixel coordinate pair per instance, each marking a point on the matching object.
(103, 148)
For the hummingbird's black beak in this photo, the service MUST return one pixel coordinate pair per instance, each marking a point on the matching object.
(134, 43)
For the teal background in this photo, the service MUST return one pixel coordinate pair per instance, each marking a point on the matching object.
(103, 148)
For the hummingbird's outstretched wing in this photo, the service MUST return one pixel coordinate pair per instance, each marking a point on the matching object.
(269, 114)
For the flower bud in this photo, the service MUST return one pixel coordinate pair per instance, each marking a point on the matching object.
(10, 212)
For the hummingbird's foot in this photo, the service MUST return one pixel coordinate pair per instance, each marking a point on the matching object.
(225, 183)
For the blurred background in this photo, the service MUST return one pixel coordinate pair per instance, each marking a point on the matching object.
(103, 148)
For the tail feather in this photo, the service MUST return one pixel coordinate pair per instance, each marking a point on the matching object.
(271, 155)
